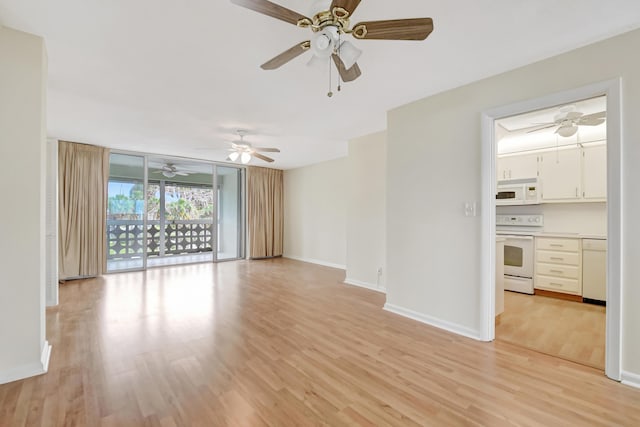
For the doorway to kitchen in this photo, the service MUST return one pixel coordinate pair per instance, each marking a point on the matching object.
(551, 214)
(553, 163)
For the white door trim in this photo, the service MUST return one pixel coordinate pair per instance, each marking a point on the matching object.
(612, 89)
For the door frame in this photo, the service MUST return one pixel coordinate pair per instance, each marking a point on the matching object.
(613, 90)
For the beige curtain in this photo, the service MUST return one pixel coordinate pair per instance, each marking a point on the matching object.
(83, 174)
(265, 212)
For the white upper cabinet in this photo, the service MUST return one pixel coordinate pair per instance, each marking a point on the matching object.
(566, 174)
(517, 166)
(594, 172)
(560, 174)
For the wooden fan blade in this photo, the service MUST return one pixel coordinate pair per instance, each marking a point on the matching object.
(261, 157)
(266, 150)
(348, 5)
(347, 75)
(594, 119)
(394, 29)
(286, 56)
(271, 9)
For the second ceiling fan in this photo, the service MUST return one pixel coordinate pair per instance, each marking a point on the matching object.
(567, 121)
(329, 26)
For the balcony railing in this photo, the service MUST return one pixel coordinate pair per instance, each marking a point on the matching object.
(126, 238)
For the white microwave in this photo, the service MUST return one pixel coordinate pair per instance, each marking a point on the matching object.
(518, 192)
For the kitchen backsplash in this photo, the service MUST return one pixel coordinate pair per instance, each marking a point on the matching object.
(581, 218)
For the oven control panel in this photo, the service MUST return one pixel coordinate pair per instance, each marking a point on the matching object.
(520, 220)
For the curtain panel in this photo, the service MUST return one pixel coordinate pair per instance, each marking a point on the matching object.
(265, 207)
(83, 175)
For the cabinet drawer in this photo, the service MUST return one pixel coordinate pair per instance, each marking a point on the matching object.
(558, 257)
(594, 244)
(568, 245)
(558, 270)
(567, 286)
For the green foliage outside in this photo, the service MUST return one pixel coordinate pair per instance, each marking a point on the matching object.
(181, 203)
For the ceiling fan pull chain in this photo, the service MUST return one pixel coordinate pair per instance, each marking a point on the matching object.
(330, 94)
(339, 56)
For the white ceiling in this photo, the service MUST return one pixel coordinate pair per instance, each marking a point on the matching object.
(173, 77)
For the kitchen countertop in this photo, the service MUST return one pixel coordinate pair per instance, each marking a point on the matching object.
(551, 234)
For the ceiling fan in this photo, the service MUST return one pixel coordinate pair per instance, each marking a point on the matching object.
(568, 121)
(329, 23)
(244, 151)
(170, 170)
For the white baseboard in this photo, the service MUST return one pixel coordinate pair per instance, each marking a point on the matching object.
(432, 321)
(30, 369)
(630, 379)
(317, 261)
(365, 285)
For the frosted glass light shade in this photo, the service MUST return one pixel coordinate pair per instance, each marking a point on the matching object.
(567, 131)
(349, 54)
(234, 156)
(324, 42)
(245, 157)
(317, 62)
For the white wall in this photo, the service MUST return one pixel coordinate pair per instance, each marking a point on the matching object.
(23, 349)
(580, 218)
(366, 211)
(433, 250)
(51, 281)
(315, 213)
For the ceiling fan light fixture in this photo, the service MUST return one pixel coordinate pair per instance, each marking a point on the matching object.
(567, 131)
(245, 158)
(168, 174)
(323, 42)
(234, 156)
(349, 54)
(317, 63)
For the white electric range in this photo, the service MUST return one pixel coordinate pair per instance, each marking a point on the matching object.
(518, 232)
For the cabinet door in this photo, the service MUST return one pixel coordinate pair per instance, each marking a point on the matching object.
(559, 173)
(518, 166)
(524, 166)
(502, 168)
(594, 172)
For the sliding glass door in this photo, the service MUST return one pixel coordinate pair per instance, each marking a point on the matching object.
(181, 212)
(125, 213)
(173, 216)
(230, 215)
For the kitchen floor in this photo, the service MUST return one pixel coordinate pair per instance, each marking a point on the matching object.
(570, 330)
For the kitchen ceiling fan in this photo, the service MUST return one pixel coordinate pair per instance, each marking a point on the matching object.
(568, 121)
(244, 151)
(170, 170)
(329, 23)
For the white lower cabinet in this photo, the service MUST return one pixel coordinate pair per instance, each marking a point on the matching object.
(558, 265)
(594, 269)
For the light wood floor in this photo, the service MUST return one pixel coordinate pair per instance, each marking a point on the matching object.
(284, 343)
(572, 330)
